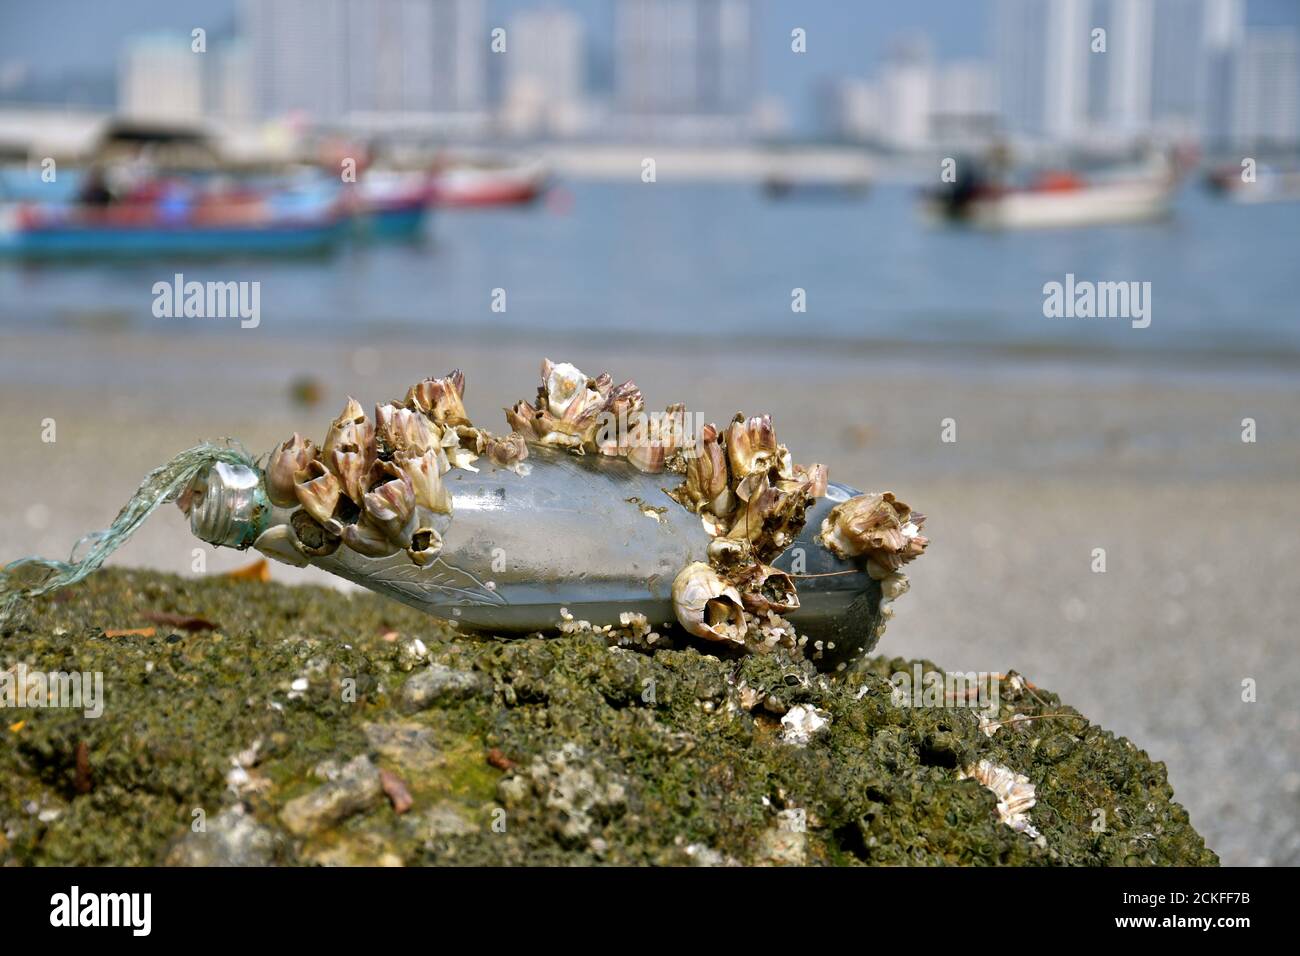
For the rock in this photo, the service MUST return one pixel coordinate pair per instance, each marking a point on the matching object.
(231, 838)
(445, 819)
(779, 846)
(577, 765)
(577, 794)
(356, 788)
(801, 723)
(364, 850)
(439, 685)
(409, 745)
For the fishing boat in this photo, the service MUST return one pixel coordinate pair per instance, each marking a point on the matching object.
(487, 181)
(1056, 198)
(392, 204)
(1270, 184)
(173, 223)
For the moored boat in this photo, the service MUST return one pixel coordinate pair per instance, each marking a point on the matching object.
(279, 223)
(1138, 193)
(487, 182)
(391, 204)
(1269, 184)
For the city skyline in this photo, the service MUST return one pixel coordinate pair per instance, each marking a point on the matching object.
(1183, 66)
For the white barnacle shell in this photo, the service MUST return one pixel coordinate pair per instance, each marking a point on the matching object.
(1015, 794)
(708, 606)
(751, 446)
(565, 384)
(426, 544)
(288, 459)
(401, 430)
(425, 475)
(390, 506)
(364, 538)
(318, 490)
(801, 723)
(879, 527)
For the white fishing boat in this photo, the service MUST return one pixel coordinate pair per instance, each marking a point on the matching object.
(1270, 184)
(487, 181)
(1137, 193)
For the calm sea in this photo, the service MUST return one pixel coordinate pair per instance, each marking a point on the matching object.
(690, 260)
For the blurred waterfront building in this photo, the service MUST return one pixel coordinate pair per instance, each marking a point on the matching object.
(344, 60)
(906, 94)
(1129, 61)
(1178, 68)
(684, 65)
(545, 74)
(1266, 89)
(231, 86)
(161, 78)
(963, 113)
(1042, 52)
(850, 109)
(913, 103)
(1223, 26)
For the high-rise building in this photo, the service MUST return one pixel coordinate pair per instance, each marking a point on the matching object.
(1178, 64)
(1223, 29)
(230, 82)
(1043, 67)
(907, 95)
(1129, 60)
(684, 56)
(545, 72)
(850, 109)
(334, 58)
(1266, 88)
(161, 78)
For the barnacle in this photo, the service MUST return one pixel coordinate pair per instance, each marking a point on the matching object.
(1016, 796)
(507, 452)
(707, 606)
(764, 588)
(351, 432)
(425, 545)
(879, 527)
(751, 446)
(442, 399)
(390, 506)
(318, 490)
(402, 431)
(425, 476)
(286, 461)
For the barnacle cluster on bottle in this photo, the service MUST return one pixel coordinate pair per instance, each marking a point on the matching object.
(750, 495)
(751, 498)
(376, 486)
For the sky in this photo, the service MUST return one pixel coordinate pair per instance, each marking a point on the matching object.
(845, 37)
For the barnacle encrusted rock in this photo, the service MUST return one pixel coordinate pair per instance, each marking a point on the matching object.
(682, 757)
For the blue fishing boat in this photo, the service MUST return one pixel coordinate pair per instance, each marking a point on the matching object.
(392, 205)
(167, 224)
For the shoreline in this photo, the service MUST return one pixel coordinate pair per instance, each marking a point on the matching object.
(1026, 359)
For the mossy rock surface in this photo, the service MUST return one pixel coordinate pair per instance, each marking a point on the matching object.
(260, 740)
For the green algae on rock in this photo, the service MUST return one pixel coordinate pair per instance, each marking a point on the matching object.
(258, 742)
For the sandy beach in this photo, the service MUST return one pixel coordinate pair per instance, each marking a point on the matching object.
(1052, 460)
